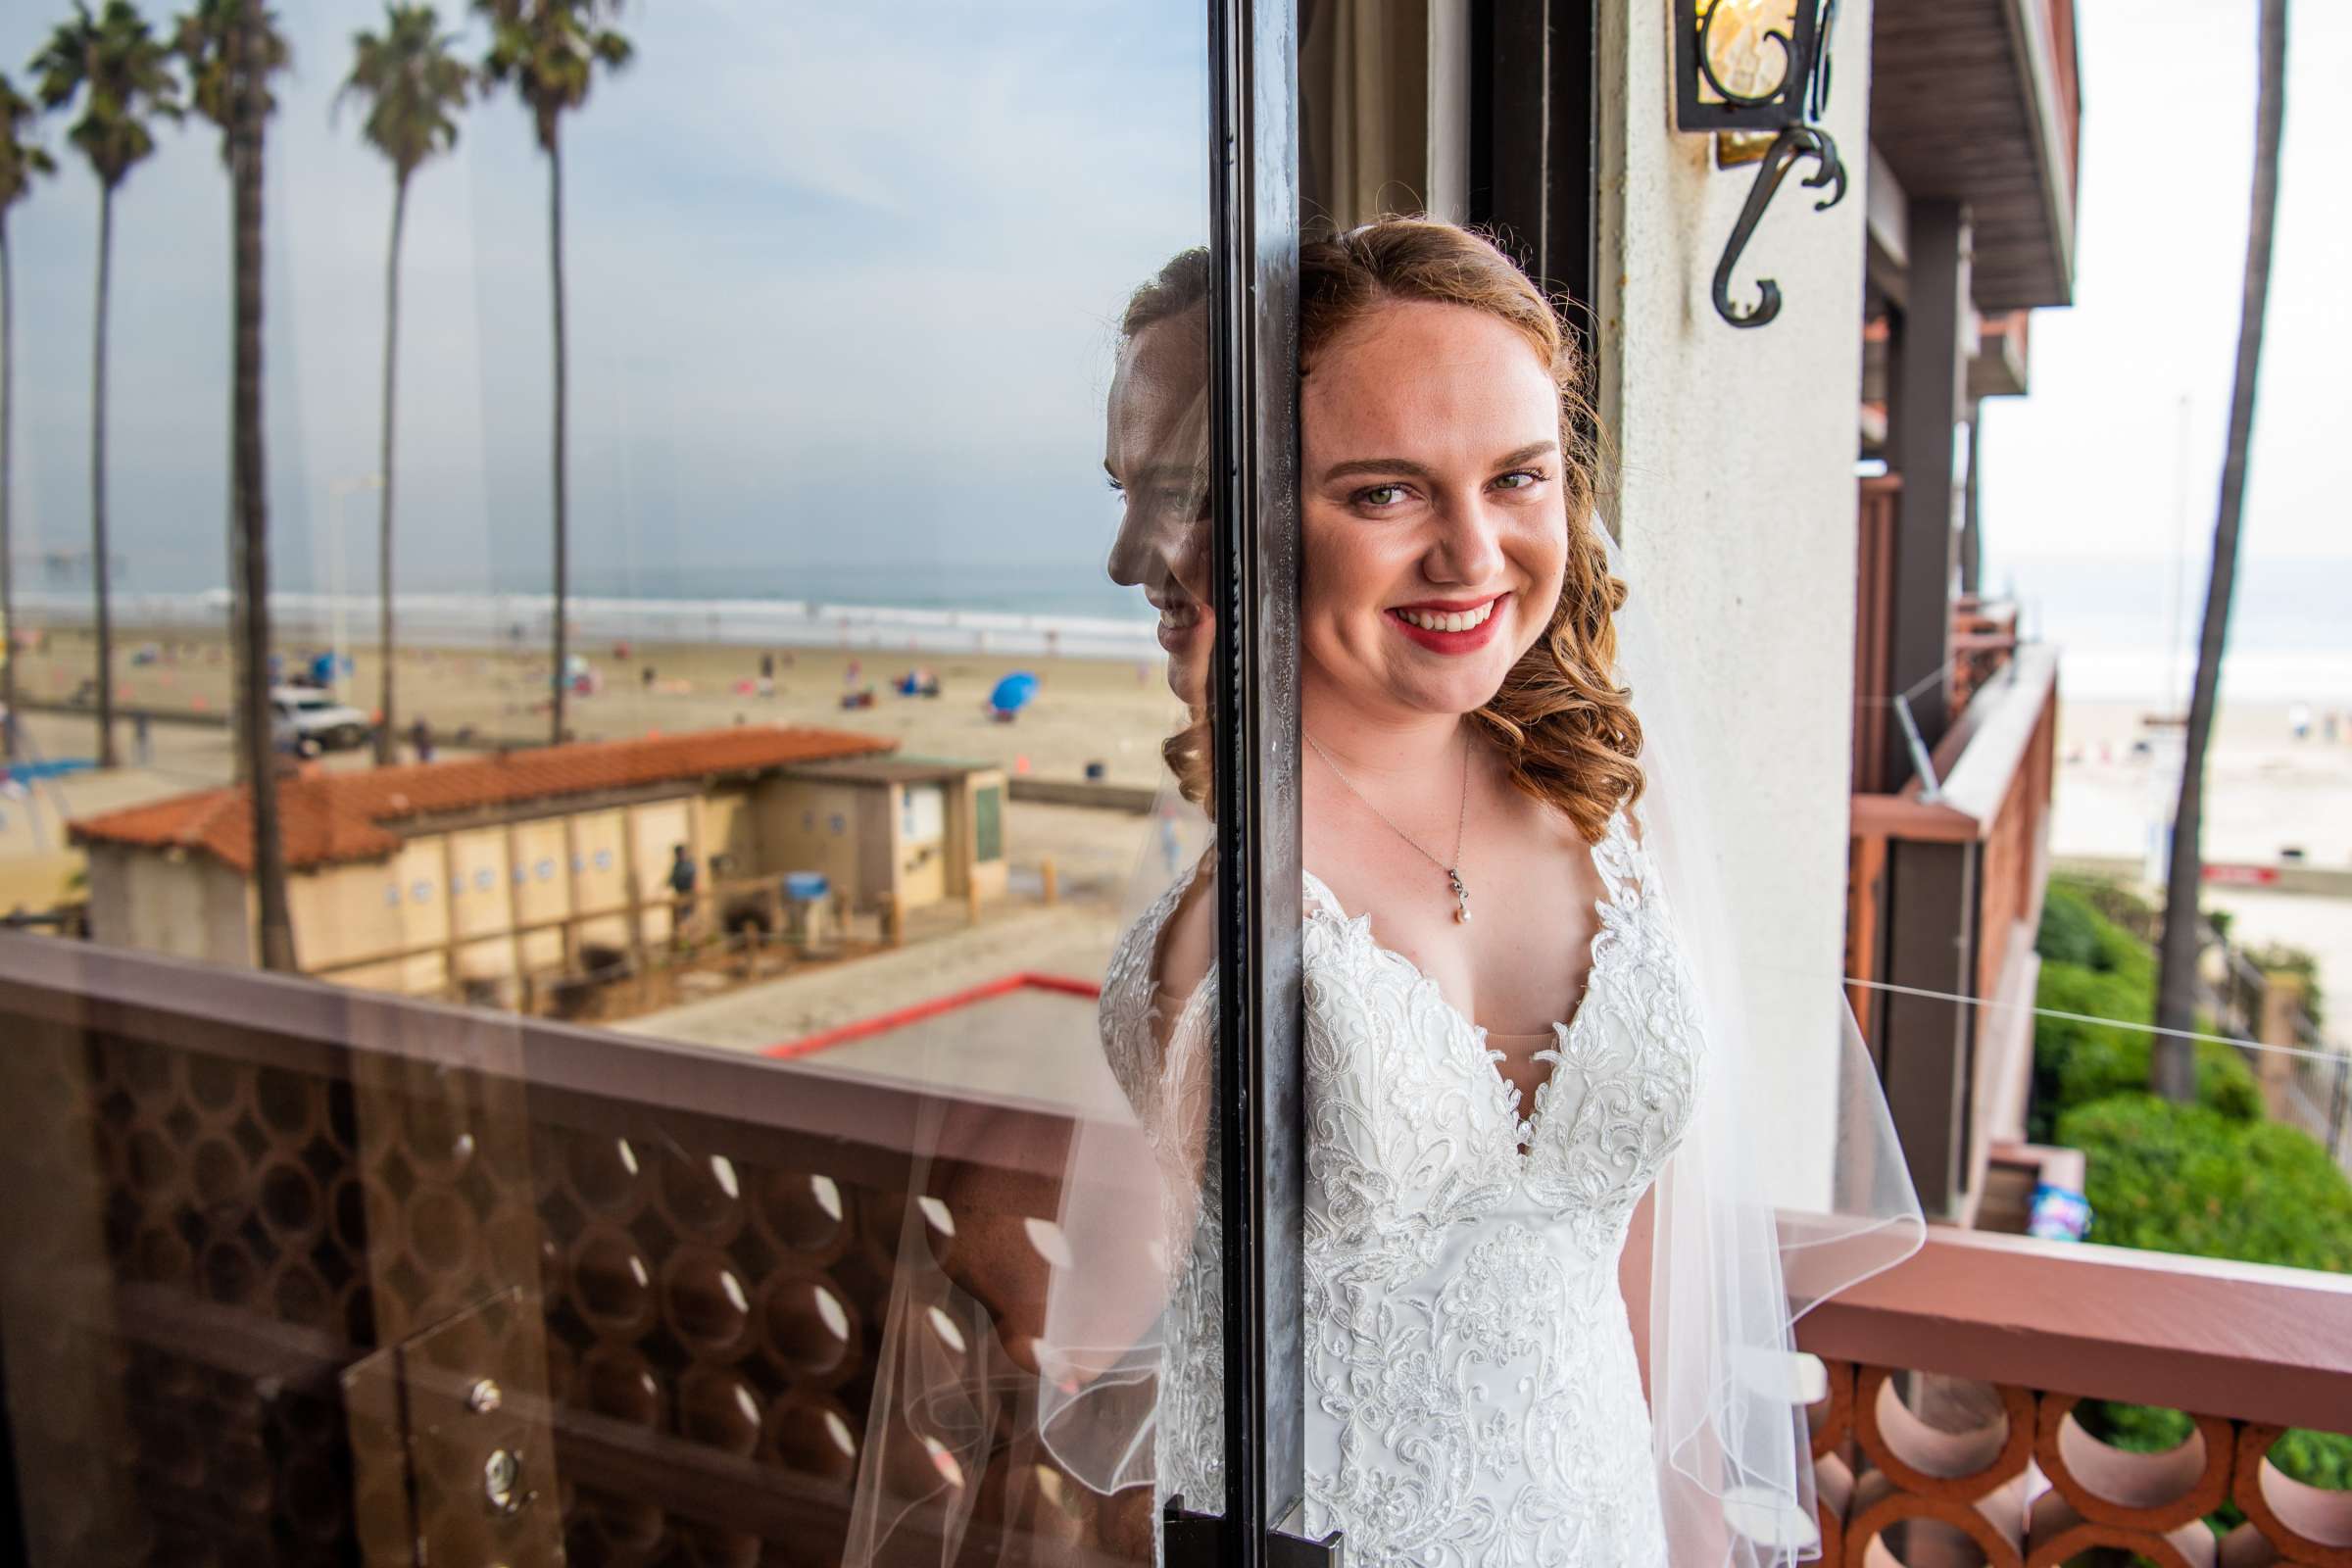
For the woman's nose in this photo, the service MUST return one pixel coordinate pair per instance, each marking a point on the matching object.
(1468, 548)
(1132, 559)
(1162, 532)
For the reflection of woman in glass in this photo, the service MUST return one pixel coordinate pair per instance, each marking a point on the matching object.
(1155, 452)
(1507, 1039)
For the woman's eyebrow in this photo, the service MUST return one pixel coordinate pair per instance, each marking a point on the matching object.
(1407, 465)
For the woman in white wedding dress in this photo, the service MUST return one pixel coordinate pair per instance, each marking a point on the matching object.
(1499, 1054)
(1548, 1302)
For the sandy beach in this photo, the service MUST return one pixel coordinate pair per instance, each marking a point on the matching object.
(1086, 709)
(2267, 793)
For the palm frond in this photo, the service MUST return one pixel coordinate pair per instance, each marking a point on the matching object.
(548, 51)
(121, 74)
(21, 156)
(414, 85)
(204, 40)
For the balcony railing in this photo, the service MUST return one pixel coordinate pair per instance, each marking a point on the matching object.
(1949, 1430)
(285, 1231)
(1944, 900)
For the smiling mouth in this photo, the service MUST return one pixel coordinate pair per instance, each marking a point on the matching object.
(1448, 621)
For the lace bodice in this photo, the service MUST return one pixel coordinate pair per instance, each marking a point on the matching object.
(1472, 1395)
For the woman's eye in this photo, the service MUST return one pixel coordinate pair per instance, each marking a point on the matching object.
(1523, 479)
(1381, 495)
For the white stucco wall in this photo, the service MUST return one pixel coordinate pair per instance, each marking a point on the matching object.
(1733, 488)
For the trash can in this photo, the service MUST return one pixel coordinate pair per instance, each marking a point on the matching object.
(807, 895)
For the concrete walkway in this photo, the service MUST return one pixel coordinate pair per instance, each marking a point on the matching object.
(1038, 1045)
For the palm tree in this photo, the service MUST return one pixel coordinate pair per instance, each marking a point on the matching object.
(21, 160)
(207, 40)
(121, 74)
(232, 47)
(548, 51)
(2173, 1061)
(413, 86)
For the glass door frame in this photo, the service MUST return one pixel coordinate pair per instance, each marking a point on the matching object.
(1535, 143)
(1253, 445)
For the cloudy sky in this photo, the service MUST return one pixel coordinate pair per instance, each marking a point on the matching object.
(840, 285)
(2094, 460)
(842, 279)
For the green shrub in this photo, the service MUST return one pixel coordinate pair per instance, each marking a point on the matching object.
(2172, 1178)
(2315, 1458)
(2093, 966)
(2089, 1063)
(2069, 928)
(2119, 906)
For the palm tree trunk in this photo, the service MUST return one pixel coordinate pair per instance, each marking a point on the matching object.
(2173, 1061)
(106, 631)
(251, 491)
(8, 580)
(387, 746)
(554, 252)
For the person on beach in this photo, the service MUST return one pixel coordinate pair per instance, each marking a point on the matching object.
(681, 885)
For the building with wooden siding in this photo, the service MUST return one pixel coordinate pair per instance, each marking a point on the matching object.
(467, 876)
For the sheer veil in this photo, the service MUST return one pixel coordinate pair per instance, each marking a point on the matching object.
(1746, 1238)
(1748, 1229)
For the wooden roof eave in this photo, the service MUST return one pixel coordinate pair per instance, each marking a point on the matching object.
(1967, 105)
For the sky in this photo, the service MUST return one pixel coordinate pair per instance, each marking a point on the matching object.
(2102, 459)
(842, 281)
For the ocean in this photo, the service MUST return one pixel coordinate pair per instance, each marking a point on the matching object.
(2128, 626)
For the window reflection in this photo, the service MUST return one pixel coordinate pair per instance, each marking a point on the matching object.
(719, 392)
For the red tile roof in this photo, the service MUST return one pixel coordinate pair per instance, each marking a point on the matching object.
(330, 817)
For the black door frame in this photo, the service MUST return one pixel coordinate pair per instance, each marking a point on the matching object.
(1533, 145)
(1254, 443)
(1535, 139)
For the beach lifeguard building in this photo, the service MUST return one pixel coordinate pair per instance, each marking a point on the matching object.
(458, 876)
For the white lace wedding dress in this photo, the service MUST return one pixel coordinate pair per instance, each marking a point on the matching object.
(1472, 1394)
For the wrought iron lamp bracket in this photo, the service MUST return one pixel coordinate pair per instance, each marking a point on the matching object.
(1793, 143)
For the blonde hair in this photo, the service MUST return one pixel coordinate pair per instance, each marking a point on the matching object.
(1567, 731)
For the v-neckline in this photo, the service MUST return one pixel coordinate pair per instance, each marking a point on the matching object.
(1523, 1146)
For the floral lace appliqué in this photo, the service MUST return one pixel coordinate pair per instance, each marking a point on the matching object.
(1472, 1395)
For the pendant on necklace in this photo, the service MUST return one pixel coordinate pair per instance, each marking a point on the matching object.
(1461, 897)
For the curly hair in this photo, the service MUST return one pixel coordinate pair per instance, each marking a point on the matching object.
(1566, 729)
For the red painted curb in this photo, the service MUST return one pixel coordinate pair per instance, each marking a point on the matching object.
(884, 1022)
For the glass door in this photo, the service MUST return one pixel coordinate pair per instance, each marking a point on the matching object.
(648, 1009)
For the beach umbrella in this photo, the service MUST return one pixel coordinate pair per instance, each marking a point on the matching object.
(1013, 692)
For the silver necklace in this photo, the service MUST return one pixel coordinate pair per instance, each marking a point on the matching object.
(1453, 875)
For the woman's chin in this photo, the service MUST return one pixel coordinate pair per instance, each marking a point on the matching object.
(1448, 690)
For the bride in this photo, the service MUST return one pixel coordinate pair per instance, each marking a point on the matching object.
(1489, 1098)
(1546, 1311)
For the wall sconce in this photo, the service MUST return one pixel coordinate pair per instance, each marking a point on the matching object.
(1747, 67)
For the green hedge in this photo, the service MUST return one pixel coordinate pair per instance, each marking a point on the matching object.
(2172, 1178)
(2093, 966)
